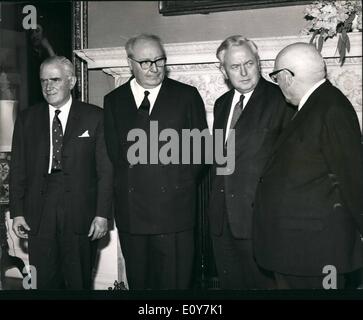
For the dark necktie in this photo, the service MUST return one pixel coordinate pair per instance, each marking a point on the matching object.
(237, 111)
(57, 140)
(144, 108)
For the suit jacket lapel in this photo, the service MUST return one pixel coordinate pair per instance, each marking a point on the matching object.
(44, 137)
(127, 107)
(161, 100)
(127, 98)
(222, 113)
(72, 121)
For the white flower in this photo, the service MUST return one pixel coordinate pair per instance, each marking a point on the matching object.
(328, 15)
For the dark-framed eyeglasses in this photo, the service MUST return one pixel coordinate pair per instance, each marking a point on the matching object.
(147, 64)
(273, 75)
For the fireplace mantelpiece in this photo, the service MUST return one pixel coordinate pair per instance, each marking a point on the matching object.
(195, 63)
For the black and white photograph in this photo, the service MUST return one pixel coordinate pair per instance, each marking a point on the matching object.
(181, 149)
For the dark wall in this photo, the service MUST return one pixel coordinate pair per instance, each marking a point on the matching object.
(56, 21)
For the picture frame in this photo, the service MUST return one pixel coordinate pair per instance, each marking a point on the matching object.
(170, 8)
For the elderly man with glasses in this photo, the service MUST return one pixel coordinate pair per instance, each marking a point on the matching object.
(309, 202)
(155, 203)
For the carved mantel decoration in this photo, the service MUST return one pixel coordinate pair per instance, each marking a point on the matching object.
(196, 63)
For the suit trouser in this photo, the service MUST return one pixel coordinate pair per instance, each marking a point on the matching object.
(63, 259)
(236, 266)
(158, 262)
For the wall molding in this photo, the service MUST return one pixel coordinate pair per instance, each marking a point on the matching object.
(204, 51)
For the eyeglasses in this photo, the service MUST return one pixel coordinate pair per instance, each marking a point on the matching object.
(147, 64)
(273, 75)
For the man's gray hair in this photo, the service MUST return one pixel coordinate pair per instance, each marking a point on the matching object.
(67, 64)
(129, 46)
(236, 40)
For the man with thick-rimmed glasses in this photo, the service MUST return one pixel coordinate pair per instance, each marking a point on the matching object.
(155, 204)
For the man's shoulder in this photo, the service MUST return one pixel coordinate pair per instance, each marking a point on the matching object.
(171, 83)
(329, 91)
(119, 90)
(87, 106)
(88, 110)
(224, 97)
(332, 100)
(266, 85)
(33, 110)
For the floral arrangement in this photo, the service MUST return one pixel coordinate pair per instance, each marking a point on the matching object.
(327, 19)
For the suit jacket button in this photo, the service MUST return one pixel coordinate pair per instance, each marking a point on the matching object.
(232, 195)
(261, 180)
(252, 204)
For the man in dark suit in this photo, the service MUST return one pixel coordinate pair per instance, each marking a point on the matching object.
(155, 203)
(309, 203)
(256, 110)
(60, 181)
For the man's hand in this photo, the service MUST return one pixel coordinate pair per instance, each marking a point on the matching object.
(98, 228)
(20, 227)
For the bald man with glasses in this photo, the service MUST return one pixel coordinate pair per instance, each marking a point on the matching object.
(308, 217)
(155, 203)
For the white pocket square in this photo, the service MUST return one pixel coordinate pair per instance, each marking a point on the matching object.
(84, 135)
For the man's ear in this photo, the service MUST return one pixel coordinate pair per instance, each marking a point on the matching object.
(221, 67)
(289, 79)
(73, 81)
